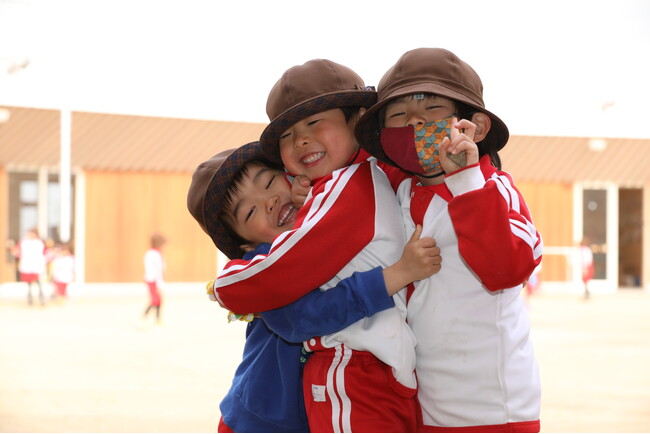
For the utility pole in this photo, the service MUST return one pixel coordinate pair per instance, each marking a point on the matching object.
(65, 184)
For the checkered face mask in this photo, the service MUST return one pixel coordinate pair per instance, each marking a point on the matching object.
(415, 149)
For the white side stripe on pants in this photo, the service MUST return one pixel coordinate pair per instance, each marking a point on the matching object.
(341, 405)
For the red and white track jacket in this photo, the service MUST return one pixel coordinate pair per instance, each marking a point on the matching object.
(475, 361)
(351, 221)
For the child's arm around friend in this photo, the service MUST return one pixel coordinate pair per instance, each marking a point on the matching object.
(333, 208)
(361, 295)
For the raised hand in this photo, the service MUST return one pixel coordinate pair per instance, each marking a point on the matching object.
(300, 189)
(460, 139)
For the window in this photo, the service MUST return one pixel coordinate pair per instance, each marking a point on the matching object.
(29, 203)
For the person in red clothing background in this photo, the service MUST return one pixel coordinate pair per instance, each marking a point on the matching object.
(154, 267)
(31, 254)
(63, 271)
(586, 264)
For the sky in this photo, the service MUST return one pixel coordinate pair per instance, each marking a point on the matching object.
(552, 68)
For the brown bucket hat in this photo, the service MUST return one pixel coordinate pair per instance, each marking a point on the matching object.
(304, 90)
(428, 70)
(205, 198)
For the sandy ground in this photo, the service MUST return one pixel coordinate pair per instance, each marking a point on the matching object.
(87, 366)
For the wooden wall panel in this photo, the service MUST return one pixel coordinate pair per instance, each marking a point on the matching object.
(551, 206)
(7, 264)
(124, 209)
(103, 228)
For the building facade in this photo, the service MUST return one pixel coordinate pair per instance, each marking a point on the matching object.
(129, 177)
(587, 187)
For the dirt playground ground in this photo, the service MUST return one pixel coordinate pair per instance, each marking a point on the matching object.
(87, 366)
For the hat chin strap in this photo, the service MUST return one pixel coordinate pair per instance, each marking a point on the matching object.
(355, 156)
(431, 176)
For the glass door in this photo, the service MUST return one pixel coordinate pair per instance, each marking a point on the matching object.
(596, 218)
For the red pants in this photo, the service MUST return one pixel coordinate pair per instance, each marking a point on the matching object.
(61, 288)
(353, 391)
(154, 293)
(28, 277)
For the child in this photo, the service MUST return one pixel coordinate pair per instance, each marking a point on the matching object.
(31, 265)
(51, 252)
(266, 395)
(360, 378)
(475, 363)
(154, 266)
(62, 271)
(586, 264)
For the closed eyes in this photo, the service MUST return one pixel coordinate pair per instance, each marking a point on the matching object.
(268, 185)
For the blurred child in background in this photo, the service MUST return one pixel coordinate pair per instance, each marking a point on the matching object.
(154, 266)
(31, 265)
(586, 264)
(62, 269)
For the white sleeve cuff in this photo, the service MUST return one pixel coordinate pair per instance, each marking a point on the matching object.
(466, 180)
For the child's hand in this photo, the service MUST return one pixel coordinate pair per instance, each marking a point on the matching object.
(300, 189)
(421, 256)
(461, 138)
(420, 259)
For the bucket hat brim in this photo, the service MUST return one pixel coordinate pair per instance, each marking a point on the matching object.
(210, 183)
(368, 130)
(271, 135)
(429, 70)
(304, 90)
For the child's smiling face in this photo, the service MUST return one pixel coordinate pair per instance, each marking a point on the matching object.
(319, 144)
(261, 208)
(417, 109)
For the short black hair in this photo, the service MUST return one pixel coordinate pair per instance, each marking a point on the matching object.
(233, 189)
(350, 112)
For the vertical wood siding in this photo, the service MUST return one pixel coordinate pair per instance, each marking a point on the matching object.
(124, 209)
(7, 273)
(551, 206)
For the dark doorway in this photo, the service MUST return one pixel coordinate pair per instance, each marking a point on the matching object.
(630, 237)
